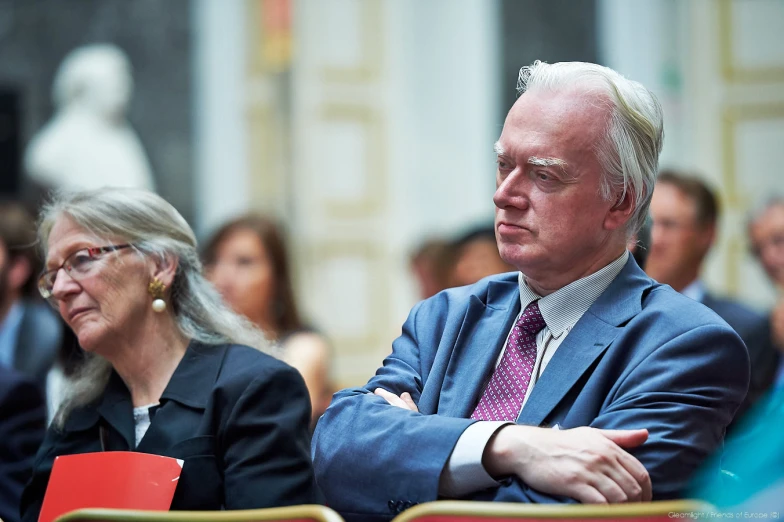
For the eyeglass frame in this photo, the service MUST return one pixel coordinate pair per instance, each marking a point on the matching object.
(92, 252)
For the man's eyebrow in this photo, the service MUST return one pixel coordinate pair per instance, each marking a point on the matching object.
(498, 149)
(547, 162)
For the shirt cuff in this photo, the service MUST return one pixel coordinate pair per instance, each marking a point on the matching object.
(463, 472)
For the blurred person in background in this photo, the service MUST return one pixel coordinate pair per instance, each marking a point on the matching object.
(766, 235)
(172, 371)
(248, 262)
(431, 263)
(476, 257)
(89, 143)
(22, 427)
(685, 213)
(30, 332)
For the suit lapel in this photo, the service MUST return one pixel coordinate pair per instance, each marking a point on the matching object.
(476, 349)
(587, 341)
(582, 347)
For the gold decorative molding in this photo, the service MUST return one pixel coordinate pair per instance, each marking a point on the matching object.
(732, 71)
(733, 116)
(369, 66)
(377, 291)
(732, 197)
(265, 148)
(374, 171)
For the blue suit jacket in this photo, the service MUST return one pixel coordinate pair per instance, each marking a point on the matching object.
(642, 356)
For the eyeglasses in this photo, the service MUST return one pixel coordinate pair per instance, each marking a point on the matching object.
(78, 265)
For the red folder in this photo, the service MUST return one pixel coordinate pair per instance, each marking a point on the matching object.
(110, 479)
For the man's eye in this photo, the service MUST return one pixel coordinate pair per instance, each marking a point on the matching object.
(543, 176)
(502, 164)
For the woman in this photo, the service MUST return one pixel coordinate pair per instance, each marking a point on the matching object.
(171, 371)
(247, 262)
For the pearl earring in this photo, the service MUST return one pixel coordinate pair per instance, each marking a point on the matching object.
(156, 289)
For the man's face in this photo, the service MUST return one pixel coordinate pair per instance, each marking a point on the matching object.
(679, 242)
(550, 217)
(767, 241)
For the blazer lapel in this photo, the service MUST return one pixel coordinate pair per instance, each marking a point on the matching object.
(117, 410)
(186, 395)
(583, 345)
(476, 349)
(587, 341)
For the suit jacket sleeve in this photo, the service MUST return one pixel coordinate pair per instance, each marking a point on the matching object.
(369, 455)
(268, 445)
(684, 393)
(22, 427)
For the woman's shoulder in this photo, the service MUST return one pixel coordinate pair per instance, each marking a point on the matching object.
(244, 364)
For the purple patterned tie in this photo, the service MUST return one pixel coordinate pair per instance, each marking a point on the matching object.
(506, 390)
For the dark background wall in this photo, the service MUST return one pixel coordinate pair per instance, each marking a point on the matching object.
(547, 30)
(35, 35)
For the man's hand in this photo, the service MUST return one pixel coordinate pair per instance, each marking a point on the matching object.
(587, 464)
(404, 401)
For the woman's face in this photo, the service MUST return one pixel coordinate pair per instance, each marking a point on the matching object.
(107, 302)
(243, 274)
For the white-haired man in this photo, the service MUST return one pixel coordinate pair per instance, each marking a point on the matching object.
(529, 386)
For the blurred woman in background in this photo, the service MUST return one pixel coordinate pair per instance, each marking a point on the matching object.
(247, 261)
(171, 370)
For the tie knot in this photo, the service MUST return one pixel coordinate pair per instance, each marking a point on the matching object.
(531, 320)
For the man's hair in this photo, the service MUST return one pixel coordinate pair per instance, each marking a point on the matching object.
(18, 238)
(629, 152)
(705, 201)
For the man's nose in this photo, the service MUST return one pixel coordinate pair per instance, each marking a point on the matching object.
(512, 191)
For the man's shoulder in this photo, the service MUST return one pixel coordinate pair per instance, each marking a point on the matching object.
(243, 365)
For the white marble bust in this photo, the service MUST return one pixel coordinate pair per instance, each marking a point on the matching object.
(89, 143)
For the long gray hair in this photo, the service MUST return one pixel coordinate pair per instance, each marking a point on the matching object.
(155, 230)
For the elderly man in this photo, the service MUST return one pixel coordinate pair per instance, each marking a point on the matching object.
(527, 386)
(684, 212)
(766, 231)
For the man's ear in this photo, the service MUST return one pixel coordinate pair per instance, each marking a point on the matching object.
(19, 273)
(165, 268)
(621, 212)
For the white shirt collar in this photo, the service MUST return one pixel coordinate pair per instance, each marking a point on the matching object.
(564, 307)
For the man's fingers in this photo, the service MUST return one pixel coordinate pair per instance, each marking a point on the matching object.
(409, 401)
(631, 488)
(391, 398)
(638, 472)
(404, 401)
(626, 438)
(608, 487)
(586, 494)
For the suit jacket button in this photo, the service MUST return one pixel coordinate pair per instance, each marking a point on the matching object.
(391, 505)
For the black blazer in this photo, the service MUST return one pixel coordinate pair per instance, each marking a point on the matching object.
(22, 427)
(237, 417)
